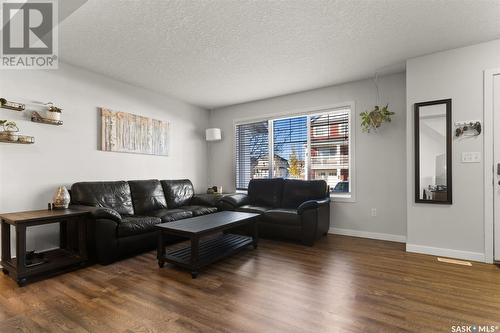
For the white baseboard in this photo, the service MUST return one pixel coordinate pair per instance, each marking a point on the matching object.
(368, 234)
(438, 251)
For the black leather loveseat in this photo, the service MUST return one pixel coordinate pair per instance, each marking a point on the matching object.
(125, 213)
(291, 209)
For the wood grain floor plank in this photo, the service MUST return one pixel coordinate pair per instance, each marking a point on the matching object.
(342, 284)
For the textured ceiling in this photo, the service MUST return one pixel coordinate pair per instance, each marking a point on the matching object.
(219, 52)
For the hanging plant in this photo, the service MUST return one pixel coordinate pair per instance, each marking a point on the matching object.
(371, 120)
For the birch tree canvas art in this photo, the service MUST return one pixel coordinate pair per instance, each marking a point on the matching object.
(131, 133)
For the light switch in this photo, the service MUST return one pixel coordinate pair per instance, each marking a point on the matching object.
(471, 157)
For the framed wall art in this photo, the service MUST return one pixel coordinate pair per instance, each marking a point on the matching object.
(130, 133)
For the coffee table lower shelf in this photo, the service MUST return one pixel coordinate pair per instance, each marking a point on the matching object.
(209, 251)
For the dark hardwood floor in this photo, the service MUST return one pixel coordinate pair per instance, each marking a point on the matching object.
(342, 284)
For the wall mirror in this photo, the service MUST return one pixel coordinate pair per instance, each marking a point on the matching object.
(433, 152)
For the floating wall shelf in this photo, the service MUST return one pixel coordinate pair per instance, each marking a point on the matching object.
(19, 142)
(5, 104)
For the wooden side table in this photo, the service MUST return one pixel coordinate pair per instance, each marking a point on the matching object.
(71, 253)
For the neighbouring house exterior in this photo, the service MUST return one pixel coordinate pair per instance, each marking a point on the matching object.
(329, 149)
(260, 167)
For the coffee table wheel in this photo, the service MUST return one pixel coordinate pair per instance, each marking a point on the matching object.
(5, 271)
(22, 282)
(194, 274)
(161, 263)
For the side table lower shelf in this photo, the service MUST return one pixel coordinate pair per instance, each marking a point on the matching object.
(209, 251)
(57, 261)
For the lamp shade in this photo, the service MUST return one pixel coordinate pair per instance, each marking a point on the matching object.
(213, 134)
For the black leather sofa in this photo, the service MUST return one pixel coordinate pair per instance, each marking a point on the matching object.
(125, 213)
(291, 209)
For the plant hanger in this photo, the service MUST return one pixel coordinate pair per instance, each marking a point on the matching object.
(372, 120)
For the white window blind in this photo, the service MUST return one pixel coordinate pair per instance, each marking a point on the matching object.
(252, 152)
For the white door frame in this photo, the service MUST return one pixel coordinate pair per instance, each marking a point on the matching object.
(489, 168)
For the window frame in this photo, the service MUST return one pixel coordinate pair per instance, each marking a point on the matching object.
(314, 111)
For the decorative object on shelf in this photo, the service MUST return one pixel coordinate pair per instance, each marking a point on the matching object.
(371, 120)
(214, 190)
(213, 134)
(470, 128)
(130, 133)
(9, 134)
(9, 131)
(53, 112)
(5, 104)
(35, 258)
(61, 198)
(37, 118)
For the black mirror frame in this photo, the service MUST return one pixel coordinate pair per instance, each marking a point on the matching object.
(449, 137)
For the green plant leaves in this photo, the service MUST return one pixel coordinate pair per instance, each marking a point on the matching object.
(371, 120)
(9, 126)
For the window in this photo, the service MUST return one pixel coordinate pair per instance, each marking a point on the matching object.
(252, 152)
(289, 147)
(309, 146)
(330, 150)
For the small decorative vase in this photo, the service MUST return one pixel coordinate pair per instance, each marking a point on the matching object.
(53, 115)
(61, 198)
(12, 136)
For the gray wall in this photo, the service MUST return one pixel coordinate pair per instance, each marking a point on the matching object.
(379, 157)
(454, 230)
(29, 174)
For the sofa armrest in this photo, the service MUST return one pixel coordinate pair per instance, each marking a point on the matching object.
(235, 200)
(105, 243)
(100, 212)
(312, 204)
(206, 199)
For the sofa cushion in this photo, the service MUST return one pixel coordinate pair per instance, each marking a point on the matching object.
(169, 215)
(285, 216)
(178, 192)
(114, 195)
(200, 210)
(134, 225)
(147, 195)
(296, 192)
(252, 209)
(266, 192)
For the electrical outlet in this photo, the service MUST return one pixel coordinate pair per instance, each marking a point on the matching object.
(374, 212)
(471, 157)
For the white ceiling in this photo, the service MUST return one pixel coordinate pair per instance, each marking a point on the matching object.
(221, 52)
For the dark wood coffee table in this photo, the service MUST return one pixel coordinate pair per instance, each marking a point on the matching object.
(204, 252)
